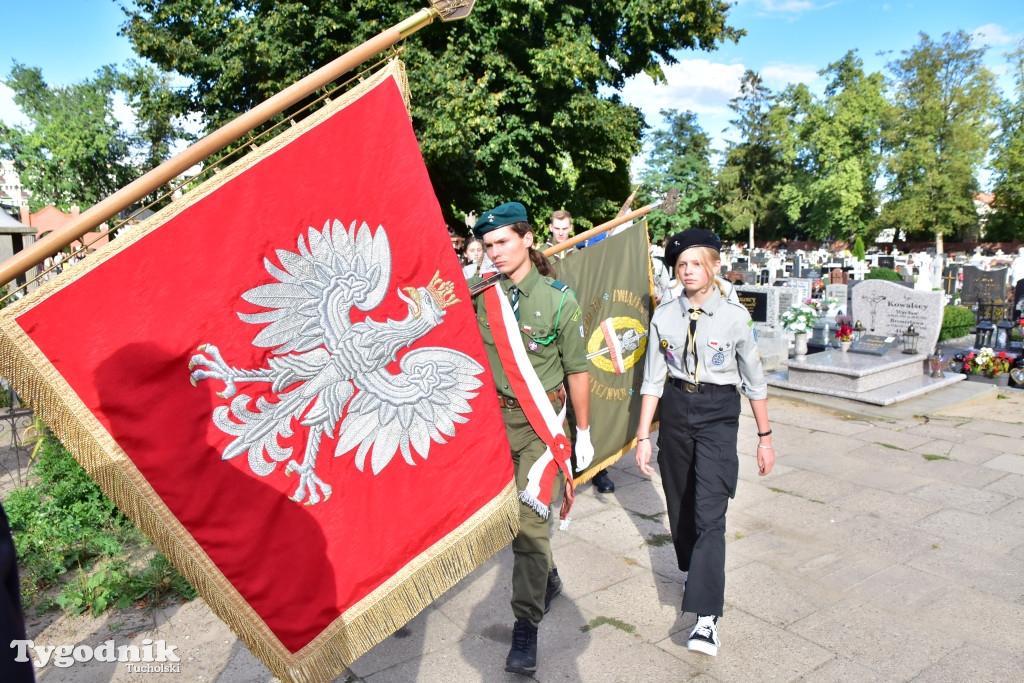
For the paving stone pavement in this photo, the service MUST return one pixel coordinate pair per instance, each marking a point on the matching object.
(887, 545)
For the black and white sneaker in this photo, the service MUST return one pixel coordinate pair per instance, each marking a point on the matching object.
(704, 637)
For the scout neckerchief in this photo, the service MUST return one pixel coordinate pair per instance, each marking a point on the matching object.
(533, 400)
(690, 349)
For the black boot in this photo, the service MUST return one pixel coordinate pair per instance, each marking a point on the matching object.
(603, 483)
(522, 658)
(554, 588)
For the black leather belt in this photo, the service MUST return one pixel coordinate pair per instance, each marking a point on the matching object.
(512, 404)
(701, 388)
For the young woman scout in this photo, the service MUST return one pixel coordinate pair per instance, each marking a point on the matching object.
(701, 346)
(534, 341)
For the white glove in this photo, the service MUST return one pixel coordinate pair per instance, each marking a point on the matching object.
(584, 449)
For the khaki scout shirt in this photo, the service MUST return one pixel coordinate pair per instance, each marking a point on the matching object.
(726, 346)
(554, 350)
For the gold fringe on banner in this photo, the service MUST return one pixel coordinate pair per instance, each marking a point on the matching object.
(362, 626)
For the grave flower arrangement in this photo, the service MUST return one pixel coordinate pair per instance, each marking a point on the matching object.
(844, 328)
(986, 362)
(799, 319)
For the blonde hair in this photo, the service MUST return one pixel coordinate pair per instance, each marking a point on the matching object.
(708, 258)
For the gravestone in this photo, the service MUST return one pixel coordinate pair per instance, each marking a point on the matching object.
(838, 276)
(837, 296)
(950, 279)
(763, 305)
(1018, 298)
(802, 289)
(983, 286)
(756, 301)
(798, 266)
(886, 308)
(887, 262)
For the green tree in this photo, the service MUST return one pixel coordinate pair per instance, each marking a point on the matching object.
(842, 133)
(937, 137)
(73, 152)
(515, 102)
(1007, 222)
(680, 158)
(753, 171)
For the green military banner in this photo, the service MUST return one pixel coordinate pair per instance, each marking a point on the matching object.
(612, 282)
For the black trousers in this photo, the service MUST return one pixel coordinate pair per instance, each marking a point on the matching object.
(699, 469)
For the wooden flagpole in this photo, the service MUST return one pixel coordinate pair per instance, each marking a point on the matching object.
(20, 263)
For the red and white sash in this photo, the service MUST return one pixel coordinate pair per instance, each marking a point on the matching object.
(535, 404)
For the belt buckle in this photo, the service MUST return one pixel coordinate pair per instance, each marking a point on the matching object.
(508, 402)
(691, 388)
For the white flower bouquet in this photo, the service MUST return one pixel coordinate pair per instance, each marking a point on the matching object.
(800, 319)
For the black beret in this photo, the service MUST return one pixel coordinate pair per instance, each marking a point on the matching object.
(499, 217)
(694, 237)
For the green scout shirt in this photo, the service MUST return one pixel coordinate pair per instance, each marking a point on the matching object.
(549, 321)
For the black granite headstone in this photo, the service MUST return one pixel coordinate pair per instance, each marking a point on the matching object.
(983, 286)
(756, 303)
(950, 275)
(887, 262)
(872, 344)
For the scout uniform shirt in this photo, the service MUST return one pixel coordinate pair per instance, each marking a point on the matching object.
(726, 350)
(549, 321)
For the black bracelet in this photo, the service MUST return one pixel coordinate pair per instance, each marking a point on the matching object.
(768, 433)
(643, 438)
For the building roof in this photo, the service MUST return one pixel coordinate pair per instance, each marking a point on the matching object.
(12, 226)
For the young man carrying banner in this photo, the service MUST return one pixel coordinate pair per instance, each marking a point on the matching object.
(530, 324)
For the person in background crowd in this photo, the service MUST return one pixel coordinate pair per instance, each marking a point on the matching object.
(701, 346)
(561, 230)
(474, 261)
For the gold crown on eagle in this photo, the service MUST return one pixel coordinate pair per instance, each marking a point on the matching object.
(442, 291)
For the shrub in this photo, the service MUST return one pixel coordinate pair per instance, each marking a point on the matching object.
(957, 321)
(858, 248)
(881, 273)
(67, 532)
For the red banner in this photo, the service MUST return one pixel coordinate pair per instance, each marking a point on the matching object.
(280, 379)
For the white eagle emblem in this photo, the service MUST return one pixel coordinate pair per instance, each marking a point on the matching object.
(323, 362)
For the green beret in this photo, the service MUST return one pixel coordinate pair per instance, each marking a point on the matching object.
(506, 214)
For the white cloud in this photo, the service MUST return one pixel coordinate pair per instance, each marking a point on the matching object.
(778, 76)
(697, 85)
(991, 34)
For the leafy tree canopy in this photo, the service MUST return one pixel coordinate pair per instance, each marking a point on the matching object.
(937, 136)
(1007, 222)
(73, 150)
(514, 102)
(680, 158)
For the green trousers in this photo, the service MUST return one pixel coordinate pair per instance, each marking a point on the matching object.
(531, 548)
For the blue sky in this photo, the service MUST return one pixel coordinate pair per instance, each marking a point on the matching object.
(788, 41)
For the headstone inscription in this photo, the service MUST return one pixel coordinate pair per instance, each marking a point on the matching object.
(755, 299)
(873, 344)
(888, 309)
(983, 286)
